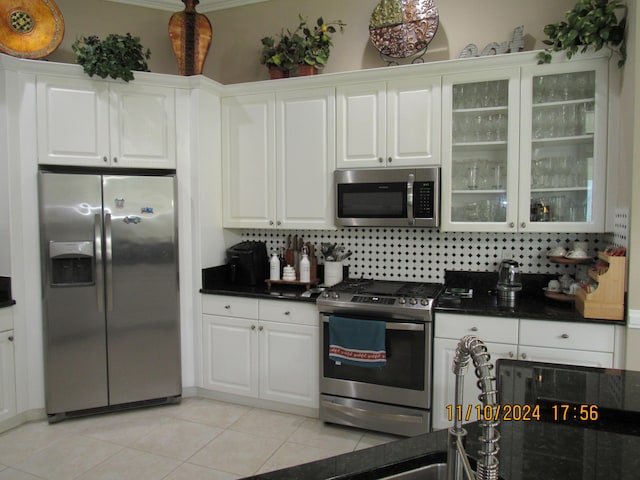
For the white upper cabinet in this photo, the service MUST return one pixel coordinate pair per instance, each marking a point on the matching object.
(480, 150)
(525, 148)
(563, 147)
(278, 154)
(392, 124)
(248, 161)
(83, 122)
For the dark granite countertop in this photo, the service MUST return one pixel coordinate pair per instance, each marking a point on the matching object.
(5, 292)
(529, 449)
(531, 301)
(215, 281)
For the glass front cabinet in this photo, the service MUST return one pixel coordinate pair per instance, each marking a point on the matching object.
(524, 149)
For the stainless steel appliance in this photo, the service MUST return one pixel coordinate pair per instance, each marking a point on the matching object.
(110, 286)
(509, 282)
(388, 197)
(248, 263)
(395, 398)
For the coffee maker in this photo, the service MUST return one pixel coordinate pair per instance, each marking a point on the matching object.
(509, 282)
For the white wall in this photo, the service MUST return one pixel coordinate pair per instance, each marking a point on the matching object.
(5, 245)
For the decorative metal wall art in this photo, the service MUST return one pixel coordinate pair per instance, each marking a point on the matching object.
(403, 28)
(30, 28)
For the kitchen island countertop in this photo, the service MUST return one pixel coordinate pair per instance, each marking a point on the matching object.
(569, 449)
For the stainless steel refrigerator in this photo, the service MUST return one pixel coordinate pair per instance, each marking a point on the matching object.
(110, 289)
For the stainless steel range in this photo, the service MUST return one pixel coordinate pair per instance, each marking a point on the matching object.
(393, 398)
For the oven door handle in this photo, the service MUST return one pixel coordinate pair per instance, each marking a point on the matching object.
(414, 327)
(361, 412)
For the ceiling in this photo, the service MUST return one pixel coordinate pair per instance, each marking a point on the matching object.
(177, 5)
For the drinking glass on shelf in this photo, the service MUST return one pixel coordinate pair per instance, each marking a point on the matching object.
(458, 96)
(539, 90)
(497, 175)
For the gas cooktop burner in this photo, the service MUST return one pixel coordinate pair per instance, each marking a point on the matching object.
(389, 288)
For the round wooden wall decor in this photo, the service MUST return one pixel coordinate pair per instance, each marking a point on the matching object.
(30, 28)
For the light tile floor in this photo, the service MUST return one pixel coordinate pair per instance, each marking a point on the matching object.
(197, 439)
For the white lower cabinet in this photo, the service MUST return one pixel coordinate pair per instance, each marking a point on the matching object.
(272, 355)
(7, 366)
(532, 340)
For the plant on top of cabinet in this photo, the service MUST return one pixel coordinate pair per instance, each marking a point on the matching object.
(315, 45)
(114, 57)
(280, 57)
(591, 23)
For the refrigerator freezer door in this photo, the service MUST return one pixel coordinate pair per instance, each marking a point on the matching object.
(74, 328)
(141, 255)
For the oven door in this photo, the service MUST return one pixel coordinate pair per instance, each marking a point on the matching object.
(405, 379)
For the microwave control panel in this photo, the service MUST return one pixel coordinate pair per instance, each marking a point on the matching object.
(423, 199)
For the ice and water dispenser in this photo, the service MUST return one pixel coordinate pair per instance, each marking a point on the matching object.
(71, 263)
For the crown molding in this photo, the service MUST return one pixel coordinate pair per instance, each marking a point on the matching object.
(176, 5)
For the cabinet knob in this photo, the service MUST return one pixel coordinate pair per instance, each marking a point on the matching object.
(564, 335)
(253, 327)
(380, 159)
(227, 307)
(524, 356)
(279, 223)
(474, 329)
(512, 224)
(270, 222)
(510, 354)
(523, 225)
(10, 338)
(115, 159)
(260, 328)
(389, 159)
(287, 312)
(105, 159)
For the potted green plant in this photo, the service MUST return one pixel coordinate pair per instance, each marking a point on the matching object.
(280, 57)
(116, 56)
(314, 45)
(591, 23)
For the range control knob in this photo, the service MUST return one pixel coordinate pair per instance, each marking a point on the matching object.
(336, 295)
(424, 302)
(413, 301)
(325, 294)
(402, 300)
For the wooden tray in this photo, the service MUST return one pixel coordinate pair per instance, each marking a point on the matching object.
(559, 296)
(573, 261)
(291, 282)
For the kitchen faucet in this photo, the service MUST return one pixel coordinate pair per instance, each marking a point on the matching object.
(457, 462)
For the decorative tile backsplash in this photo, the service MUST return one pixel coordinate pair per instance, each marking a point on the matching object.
(423, 255)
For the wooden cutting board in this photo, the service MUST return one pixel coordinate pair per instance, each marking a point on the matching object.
(30, 28)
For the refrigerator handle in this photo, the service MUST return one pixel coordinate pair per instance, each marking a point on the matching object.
(108, 261)
(97, 239)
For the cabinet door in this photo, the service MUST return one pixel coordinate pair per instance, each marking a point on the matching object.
(305, 146)
(444, 382)
(564, 147)
(73, 122)
(143, 126)
(480, 164)
(571, 357)
(248, 161)
(7, 376)
(289, 363)
(413, 122)
(230, 355)
(361, 125)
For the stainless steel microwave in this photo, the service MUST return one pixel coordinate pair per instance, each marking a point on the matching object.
(408, 197)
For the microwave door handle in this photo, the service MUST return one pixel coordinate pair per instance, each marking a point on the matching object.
(410, 218)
